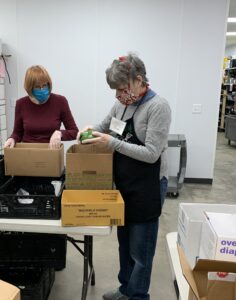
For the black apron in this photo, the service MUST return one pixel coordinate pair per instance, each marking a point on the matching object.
(138, 181)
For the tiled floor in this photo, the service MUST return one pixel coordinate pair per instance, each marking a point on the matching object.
(223, 190)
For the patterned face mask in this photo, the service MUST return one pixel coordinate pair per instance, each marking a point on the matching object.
(127, 97)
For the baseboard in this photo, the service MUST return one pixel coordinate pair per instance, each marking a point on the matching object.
(198, 180)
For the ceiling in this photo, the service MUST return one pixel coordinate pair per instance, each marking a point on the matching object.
(231, 40)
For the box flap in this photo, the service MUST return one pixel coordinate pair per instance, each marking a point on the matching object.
(33, 145)
(203, 266)
(224, 224)
(187, 272)
(208, 265)
(89, 148)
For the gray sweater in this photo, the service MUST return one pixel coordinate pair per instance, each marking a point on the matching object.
(152, 122)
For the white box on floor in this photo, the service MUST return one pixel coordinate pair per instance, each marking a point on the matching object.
(218, 238)
(190, 219)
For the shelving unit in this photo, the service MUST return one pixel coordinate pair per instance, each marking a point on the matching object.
(3, 114)
(228, 94)
(230, 128)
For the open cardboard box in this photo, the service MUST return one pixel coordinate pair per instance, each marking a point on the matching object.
(92, 208)
(201, 288)
(89, 167)
(34, 159)
(9, 291)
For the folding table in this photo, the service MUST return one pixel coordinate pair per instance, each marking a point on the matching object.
(180, 283)
(54, 226)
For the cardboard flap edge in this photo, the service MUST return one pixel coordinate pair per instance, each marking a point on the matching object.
(187, 271)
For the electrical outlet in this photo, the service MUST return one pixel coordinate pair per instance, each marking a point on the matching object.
(197, 109)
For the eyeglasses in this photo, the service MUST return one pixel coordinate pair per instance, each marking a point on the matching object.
(40, 86)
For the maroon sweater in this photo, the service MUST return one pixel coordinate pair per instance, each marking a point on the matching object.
(35, 123)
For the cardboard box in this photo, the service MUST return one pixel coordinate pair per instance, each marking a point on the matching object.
(32, 159)
(89, 167)
(9, 291)
(190, 219)
(202, 286)
(218, 239)
(92, 208)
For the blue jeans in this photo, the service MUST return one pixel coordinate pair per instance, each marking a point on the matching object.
(137, 244)
(163, 189)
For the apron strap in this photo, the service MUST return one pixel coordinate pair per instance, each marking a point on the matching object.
(134, 111)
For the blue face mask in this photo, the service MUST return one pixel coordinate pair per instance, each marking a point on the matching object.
(41, 94)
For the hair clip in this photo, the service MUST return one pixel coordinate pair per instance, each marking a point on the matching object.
(122, 58)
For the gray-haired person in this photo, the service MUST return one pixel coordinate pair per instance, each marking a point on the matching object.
(137, 130)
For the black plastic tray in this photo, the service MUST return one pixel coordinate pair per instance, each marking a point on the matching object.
(41, 203)
(35, 284)
(21, 249)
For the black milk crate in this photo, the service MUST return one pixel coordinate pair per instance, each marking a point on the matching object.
(49, 280)
(34, 284)
(41, 203)
(24, 249)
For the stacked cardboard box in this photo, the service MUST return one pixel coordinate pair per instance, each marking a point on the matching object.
(89, 167)
(92, 207)
(89, 199)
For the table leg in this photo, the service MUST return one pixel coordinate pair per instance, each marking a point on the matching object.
(91, 260)
(88, 262)
(176, 289)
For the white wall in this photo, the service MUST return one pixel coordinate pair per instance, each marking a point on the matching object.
(230, 50)
(200, 75)
(180, 41)
(8, 35)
